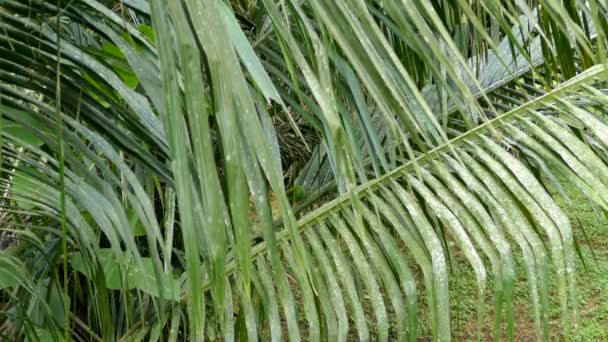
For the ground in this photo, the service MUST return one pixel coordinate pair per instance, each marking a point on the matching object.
(592, 284)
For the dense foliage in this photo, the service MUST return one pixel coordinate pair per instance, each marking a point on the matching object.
(253, 169)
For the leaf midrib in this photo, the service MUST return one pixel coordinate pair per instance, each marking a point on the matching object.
(571, 85)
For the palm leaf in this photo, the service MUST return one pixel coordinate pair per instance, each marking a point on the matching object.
(494, 176)
(160, 178)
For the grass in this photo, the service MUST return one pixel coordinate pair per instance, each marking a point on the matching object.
(592, 284)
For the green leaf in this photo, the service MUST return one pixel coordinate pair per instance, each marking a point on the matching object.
(135, 223)
(140, 277)
(7, 278)
(21, 133)
(102, 89)
(120, 64)
(45, 335)
(24, 128)
(26, 187)
(53, 297)
(148, 32)
(128, 77)
(113, 50)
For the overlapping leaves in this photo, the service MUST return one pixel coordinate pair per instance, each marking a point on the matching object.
(190, 157)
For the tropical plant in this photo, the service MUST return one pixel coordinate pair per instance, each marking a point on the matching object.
(144, 192)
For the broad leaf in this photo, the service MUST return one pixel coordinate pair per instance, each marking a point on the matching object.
(121, 272)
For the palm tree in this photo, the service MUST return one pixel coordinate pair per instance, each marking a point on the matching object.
(144, 195)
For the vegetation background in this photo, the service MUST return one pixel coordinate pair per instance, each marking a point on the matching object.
(286, 170)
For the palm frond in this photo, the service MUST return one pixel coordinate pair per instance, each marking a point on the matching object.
(480, 191)
(149, 152)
